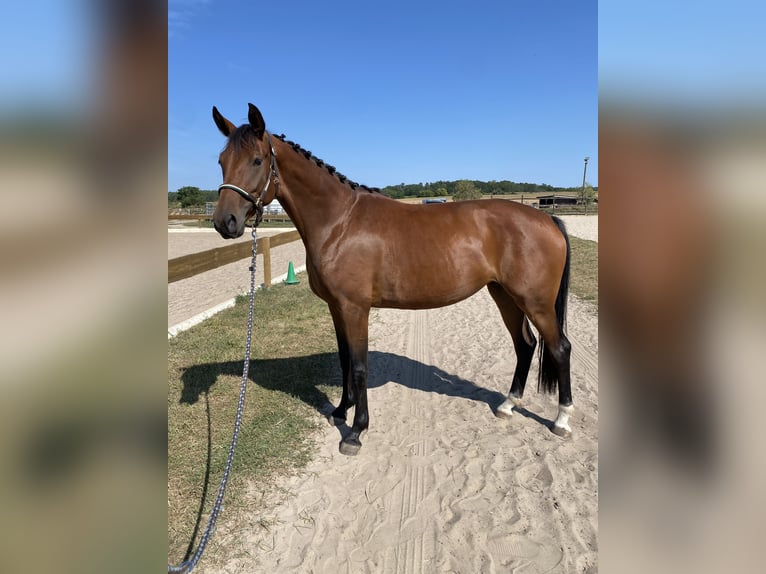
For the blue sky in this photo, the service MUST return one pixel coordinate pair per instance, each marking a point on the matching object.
(391, 92)
(48, 66)
(683, 54)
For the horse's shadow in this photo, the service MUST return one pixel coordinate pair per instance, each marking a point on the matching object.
(301, 377)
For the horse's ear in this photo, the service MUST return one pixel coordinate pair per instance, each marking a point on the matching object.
(223, 124)
(256, 120)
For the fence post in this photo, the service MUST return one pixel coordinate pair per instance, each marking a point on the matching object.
(266, 246)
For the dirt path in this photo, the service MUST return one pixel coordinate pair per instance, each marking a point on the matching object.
(582, 226)
(441, 484)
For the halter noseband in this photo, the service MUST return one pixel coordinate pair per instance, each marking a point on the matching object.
(258, 202)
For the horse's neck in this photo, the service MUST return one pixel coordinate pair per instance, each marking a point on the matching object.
(313, 198)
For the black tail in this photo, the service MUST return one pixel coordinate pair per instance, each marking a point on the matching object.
(548, 377)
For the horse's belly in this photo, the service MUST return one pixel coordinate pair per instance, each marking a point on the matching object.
(427, 290)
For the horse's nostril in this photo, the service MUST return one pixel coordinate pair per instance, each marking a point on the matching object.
(231, 223)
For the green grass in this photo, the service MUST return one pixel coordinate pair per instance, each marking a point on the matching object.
(584, 270)
(295, 368)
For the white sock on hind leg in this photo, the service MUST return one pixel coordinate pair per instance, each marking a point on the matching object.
(562, 421)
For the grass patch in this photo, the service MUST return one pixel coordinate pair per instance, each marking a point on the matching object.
(294, 372)
(584, 273)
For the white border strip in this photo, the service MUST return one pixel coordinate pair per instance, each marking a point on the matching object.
(198, 318)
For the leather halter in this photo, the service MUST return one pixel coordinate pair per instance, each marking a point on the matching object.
(258, 202)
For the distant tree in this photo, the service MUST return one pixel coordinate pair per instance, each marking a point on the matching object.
(190, 196)
(209, 195)
(465, 190)
(589, 194)
(439, 192)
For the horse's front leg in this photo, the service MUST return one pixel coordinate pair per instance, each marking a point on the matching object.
(347, 398)
(355, 323)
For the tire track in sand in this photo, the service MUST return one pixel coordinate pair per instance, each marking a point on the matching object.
(416, 551)
(404, 540)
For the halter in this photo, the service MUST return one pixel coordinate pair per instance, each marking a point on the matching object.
(258, 202)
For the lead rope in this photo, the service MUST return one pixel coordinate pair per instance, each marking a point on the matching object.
(188, 565)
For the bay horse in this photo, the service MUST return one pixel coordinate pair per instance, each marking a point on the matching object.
(366, 250)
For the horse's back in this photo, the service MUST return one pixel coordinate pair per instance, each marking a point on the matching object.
(463, 216)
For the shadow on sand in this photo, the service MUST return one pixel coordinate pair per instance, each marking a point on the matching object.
(301, 377)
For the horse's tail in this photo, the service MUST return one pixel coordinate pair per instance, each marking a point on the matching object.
(548, 377)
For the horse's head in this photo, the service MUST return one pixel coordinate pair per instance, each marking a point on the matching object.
(247, 164)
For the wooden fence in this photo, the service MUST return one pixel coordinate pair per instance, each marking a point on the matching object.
(195, 263)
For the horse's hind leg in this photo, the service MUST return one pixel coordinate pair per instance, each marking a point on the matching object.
(523, 341)
(555, 366)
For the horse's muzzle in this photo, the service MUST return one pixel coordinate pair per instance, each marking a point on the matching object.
(229, 227)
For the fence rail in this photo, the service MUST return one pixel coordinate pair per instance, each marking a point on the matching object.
(195, 263)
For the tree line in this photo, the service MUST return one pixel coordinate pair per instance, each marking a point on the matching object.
(189, 196)
(451, 188)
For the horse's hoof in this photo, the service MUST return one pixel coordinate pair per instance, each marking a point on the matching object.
(561, 432)
(561, 424)
(505, 411)
(350, 447)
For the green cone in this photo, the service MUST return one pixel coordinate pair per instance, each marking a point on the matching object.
(291, 280)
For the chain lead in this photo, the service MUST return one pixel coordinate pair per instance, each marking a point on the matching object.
(188, 565)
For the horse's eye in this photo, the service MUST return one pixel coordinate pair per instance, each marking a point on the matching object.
(257, 161)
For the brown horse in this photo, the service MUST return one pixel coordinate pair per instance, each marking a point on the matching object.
(366, 250)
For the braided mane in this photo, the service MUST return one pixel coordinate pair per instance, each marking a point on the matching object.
(244, 134)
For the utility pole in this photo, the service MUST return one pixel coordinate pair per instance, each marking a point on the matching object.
(584, 171)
